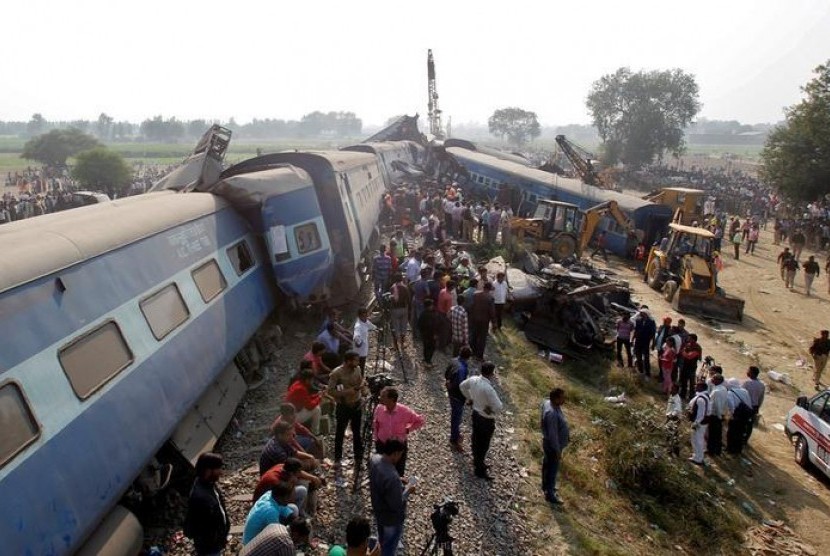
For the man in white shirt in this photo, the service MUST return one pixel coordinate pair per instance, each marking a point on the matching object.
(486, 406)
(413, 267)
(717, 398)
(674, 410)
(699, 411)
(500, 291)
(360, 338)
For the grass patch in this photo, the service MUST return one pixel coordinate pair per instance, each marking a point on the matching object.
(623, 494)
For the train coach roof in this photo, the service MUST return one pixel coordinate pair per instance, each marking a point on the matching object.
(45, 244)
(628, 203)
(378, 146)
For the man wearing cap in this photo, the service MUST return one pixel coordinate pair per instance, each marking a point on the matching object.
(819, 351)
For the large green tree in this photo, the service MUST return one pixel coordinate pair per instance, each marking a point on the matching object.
(796, 156)
(101, 169)
(55, 147)
(514, 124)
(641, 116)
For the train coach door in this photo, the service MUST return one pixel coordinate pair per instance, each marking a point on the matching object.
(351, 216)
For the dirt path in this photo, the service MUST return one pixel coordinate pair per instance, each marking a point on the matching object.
(777, 330)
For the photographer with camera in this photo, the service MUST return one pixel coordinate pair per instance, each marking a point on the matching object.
(394, 421)
(389, 496)
(348, 388)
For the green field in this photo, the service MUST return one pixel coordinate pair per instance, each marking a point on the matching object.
(169, 153)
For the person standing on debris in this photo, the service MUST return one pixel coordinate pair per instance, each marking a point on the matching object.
(393, 420)
(429, 327)
(827, 272)
(719, 409)
(500, 292)
(819, 350)
(644, 331)
(207, 520)
(791, 266)
(811, 272)
(663, 334)
(459, 326)
(600, 248)
(348, 388)
(420, 293)
(555, 438)
(690, 355)
(756, 390)
(624, 330)
(482, 313)
(740, 408)
(698, 413)
(456, 373)
(486, 407)
(388, 496)
(360, 338)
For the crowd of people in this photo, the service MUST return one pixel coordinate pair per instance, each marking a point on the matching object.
(430, 291)
(426, 290)
(37, 191)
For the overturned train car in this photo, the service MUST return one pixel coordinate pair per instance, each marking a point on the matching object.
(523, 187)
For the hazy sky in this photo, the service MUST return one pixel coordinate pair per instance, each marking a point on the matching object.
(282, 59)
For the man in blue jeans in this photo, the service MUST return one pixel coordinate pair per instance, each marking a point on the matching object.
(555, 437)
(388, 495)
(456, 373)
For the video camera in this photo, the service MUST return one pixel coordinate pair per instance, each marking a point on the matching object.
(378, 382)
(441, 517)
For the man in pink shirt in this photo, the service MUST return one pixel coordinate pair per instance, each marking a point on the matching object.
(394, 420)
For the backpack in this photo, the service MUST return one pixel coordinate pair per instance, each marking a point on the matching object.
(691, 413)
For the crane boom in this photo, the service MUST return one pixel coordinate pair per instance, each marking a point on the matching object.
(582, 161)
(433, 113)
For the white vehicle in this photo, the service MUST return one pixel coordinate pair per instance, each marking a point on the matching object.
(83, 198)
(808, 427)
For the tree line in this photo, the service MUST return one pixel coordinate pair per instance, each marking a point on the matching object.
(160, 129)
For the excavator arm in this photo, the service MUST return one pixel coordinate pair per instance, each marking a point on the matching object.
(592, 217)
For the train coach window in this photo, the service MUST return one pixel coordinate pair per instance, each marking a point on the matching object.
(95, 358)
(164, 311)
(17, 421)
(209, 280)
(241, 257)
(307, 237)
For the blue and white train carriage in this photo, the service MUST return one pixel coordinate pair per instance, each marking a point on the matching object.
(317, 213)
(119, 326)
(493, 177)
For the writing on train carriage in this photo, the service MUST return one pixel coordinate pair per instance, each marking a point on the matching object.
(523, 187)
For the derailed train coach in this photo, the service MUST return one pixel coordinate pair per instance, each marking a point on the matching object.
(125, 325)
(120, 324)
(523, 187)
(316, 213)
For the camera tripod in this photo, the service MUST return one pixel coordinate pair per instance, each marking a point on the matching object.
(433, 545)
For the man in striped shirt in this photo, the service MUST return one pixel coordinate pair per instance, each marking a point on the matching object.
(459, 326)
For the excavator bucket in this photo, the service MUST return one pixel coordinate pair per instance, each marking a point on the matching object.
(722, 307)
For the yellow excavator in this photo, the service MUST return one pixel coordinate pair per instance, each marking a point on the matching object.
(682, 268)
(562, 229)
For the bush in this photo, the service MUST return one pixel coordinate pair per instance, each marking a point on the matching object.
(670, 494)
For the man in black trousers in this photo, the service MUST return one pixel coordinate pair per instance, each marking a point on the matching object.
(207, 520)
(486, 407)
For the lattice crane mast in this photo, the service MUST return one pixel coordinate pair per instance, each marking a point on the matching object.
(582, 161)
(434, 113)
